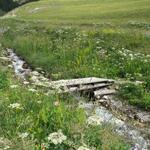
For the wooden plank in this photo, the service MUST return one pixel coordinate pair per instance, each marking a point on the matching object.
(84, 81)
(4, 59)
(100, 93)
(86, 87)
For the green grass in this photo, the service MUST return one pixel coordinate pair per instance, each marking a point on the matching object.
(135, 95)
(86, 11)
(70, 52)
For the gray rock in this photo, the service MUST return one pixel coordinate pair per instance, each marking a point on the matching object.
(143, 117)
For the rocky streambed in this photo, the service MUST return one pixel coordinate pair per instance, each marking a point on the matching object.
(127, 120)
(134, 135)
(23, 71)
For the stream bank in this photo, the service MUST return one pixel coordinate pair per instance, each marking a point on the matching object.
(102, 111)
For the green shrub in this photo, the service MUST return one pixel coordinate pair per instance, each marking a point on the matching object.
(128, 91)
(135, 95)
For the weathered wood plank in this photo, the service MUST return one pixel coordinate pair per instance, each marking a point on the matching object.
(100, 93)
(84, 81)
(86, 87)
(4, 59)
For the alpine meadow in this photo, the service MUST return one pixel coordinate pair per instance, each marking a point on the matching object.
(74, 74)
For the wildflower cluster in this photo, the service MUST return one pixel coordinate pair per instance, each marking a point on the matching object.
(57, 137)
(94, 120)
(13, 86)
(15, 106)
(4, 143)
(134, 55)
(23, 135)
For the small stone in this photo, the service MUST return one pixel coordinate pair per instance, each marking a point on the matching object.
(27, 72)
(10, 66)
(25, 66)
(143, 117)
(105, 103)
(105, 97)
(136, 117)
(131, 116)
(20, 70)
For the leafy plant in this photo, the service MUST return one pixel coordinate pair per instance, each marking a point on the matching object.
(147, 83)
(135, 95)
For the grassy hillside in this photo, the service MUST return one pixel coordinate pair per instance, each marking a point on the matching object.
(86, 11)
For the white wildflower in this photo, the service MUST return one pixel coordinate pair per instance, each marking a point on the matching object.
(15, 106)
(131, 56)
(6, 147)
(35, 73)
(23, 135)
(98, 47)
(39, 102)
(26, 82)
(145, 60)
(139, 82)
(148, 55)
(57, 137)
(83, 148)
(32, 90)
(120, 52)
(13, 86)
(94, 120)
(56, 103)
(4, 143)
(34, 79)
